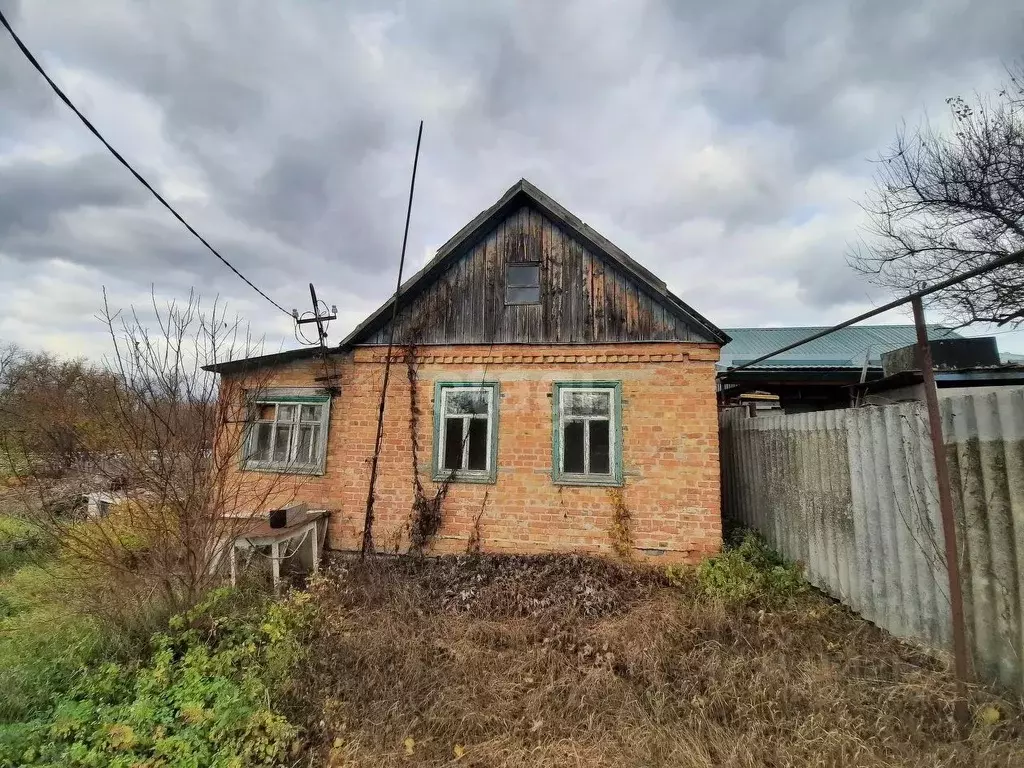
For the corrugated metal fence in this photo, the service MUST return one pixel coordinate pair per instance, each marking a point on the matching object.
(852, 495)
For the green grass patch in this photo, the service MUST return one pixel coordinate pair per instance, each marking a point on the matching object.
(43, 644)
(203, 695)
(21, 543)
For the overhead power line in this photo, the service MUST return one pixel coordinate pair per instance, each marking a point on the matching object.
(63, 97)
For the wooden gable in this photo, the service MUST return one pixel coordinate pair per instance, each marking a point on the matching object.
(590, 292)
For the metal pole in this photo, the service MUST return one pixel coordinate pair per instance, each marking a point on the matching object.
(956, 599)
(1002, 261)
(367, 545)
(316, 315)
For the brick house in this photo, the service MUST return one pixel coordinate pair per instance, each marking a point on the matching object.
(550, 382)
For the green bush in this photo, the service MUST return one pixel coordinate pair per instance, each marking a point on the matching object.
(202, 697)
(748, 573)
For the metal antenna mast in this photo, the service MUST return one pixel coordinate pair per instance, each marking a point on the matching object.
(368, 521)
(321, 321)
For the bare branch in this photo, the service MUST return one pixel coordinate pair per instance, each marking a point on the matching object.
(946, 201)
(155, 432)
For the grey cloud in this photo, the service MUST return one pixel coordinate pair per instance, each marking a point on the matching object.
(801, 63)
(308, 197)
(270, 106)
(35, 193)
(142, 245)
(300, 120)
(20, 94)
(834, 71)
(825, 281)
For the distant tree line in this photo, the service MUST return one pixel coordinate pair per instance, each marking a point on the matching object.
(53, 410)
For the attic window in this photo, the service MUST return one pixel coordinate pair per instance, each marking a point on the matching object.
(522, 283)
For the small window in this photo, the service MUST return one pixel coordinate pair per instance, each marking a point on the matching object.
(465, 419)
(587, 446)
(522, 283)
(288, 435)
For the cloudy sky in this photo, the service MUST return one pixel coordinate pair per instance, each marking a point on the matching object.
(724, 145)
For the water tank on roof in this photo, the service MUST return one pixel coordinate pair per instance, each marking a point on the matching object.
(947, 355)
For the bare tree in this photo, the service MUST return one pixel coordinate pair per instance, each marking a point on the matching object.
(10, 356)
(946, 201)
(47, 406)
(167, 448)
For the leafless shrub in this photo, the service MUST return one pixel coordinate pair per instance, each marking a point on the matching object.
(165, 443)
(621, 531)
(48, 406)
(474, 544)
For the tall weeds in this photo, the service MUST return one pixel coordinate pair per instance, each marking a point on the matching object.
(560, 661)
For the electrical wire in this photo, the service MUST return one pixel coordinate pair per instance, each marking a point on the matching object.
(299, 335)
(325, 323)
(61, 95)
(287, 546)
(327, 311)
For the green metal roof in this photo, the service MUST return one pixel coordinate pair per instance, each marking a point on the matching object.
(845, 348)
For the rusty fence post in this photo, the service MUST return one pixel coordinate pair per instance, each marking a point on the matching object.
(956, 600)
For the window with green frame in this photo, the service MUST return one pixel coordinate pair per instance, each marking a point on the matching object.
(587, 433)
(287, 432)
(466, 431)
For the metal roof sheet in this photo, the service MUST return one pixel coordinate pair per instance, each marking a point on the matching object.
(845, 348)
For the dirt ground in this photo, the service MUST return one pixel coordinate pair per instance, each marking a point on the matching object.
(571, 661)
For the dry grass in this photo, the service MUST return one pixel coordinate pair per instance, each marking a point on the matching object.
(563, 661)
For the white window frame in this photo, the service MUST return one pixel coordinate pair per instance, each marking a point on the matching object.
(289, 466)
(614, 475)
(463, 474)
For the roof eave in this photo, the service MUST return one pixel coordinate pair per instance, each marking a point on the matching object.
(246, 364)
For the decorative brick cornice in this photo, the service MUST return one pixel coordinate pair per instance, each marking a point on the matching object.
(428, 357)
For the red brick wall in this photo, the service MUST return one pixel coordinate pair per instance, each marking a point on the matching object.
(670, 449)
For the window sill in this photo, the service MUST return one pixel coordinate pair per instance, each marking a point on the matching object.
(271, 470)
(482, 478)
(583, 480)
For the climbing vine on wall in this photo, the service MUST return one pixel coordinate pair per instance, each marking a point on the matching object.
(620, 532)
(426, 509)
(474, 544)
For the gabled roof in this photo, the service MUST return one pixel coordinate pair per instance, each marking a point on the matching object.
(518, 194)
(845, 348)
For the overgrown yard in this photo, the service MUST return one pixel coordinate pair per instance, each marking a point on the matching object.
(560, 661)
(494, 661)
